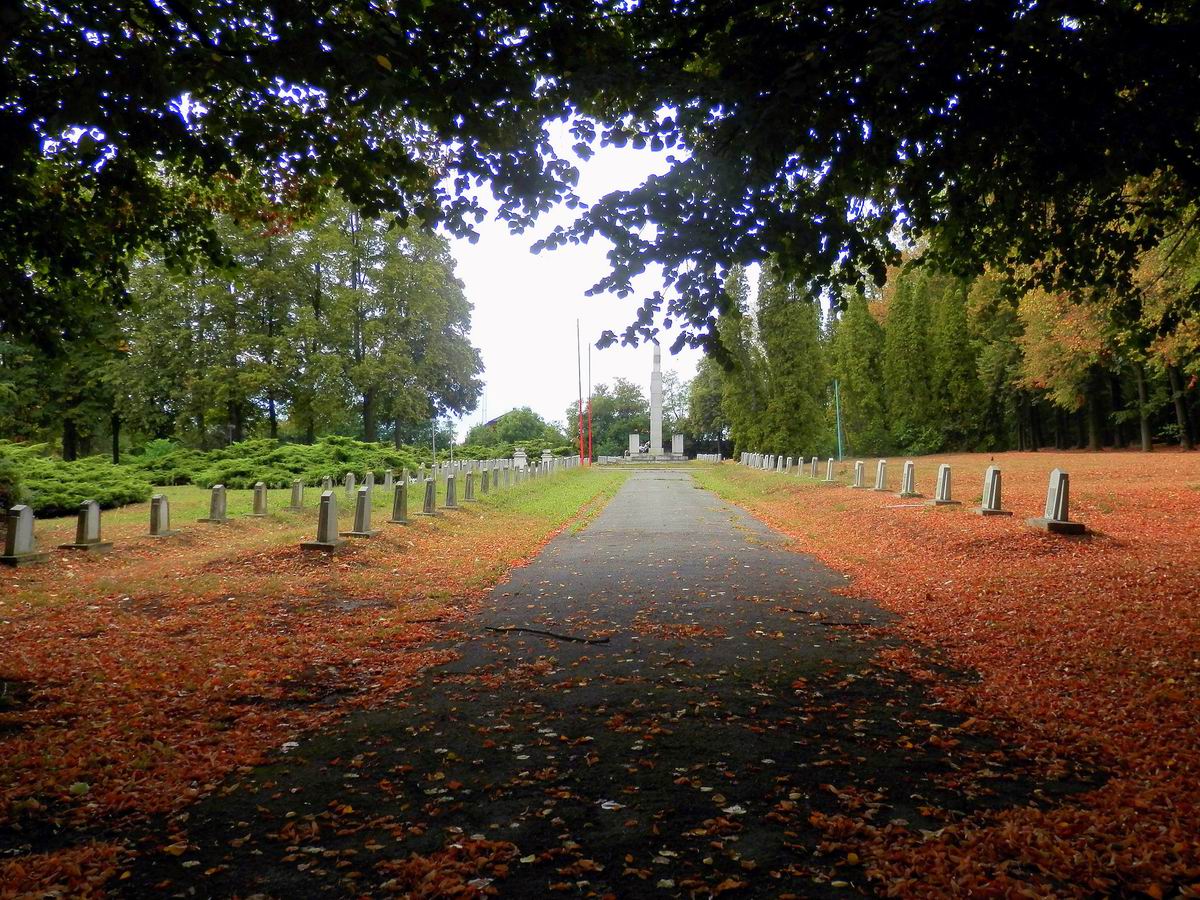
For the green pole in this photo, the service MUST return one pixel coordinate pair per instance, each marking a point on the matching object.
(837, 406)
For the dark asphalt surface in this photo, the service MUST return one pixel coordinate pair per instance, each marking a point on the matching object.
(698, 751)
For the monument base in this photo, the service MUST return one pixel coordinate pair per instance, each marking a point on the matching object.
(358, 534)
(983, 511)
(24, 559)
(214, 521)
(325, 546)
(169, 533)
(1056, 527)
(908, 495)
(97, 547)
(945, 502)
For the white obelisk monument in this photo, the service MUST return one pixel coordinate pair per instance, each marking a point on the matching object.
(656, 400)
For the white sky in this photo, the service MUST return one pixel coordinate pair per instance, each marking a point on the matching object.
(525, 306)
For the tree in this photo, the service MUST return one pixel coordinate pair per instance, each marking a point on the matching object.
(856, 352)
(743, 399)
(789, 328)
(516, 425)
(906, 358)
(811, 131)
(618, 410)
(706, 416)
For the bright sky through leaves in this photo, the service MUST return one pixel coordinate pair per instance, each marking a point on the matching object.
(526, 305)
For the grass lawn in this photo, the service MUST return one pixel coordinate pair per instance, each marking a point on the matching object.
(1087, 649)
(133, 682)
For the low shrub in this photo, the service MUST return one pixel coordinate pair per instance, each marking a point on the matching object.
(56, 488)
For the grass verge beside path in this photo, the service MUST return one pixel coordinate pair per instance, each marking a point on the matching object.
(1088, 651)
(131, 683)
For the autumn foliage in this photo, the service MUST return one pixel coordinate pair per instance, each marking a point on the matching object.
(135, 682)
(1085, 649)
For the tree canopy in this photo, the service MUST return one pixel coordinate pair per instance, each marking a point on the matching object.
(1048, 140)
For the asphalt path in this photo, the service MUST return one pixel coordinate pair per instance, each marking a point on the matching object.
(701, 708)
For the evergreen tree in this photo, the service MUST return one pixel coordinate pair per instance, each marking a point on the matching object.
(789, 327)
(744, 395)
(857, 351)
(955, 392)
(906, 354)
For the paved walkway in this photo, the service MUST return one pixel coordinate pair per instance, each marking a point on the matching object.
(688, 754)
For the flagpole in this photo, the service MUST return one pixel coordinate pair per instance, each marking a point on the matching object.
(579, 373)
(591, 449)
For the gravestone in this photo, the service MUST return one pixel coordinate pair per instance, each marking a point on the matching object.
(859, 470)
(991, 503)
(1057, 516)
(388, 479)
(677, 445)
(160, 517)
(400, 500)
(327, 525)
(362, 515)
(216, 506)
(829, 464)
(908, 483)
(451, 493)
(507, 475)
(20, 548)
(814, 467)
(369, 481)
(881, 475)
(520, 459)
(326, 484)
(484, 478)
(87, 530)
(350, 483)
(429, 507)
(297, 502)
(260, 501)
(943, 496)
(469, 488)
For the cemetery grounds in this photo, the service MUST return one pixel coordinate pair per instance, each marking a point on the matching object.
(133, 682)
(136, 683)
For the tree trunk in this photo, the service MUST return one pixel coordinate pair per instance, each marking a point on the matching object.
(85, 444)
(1143, 402)
(1080, 423)
(1094, 425)
(237, 431)
(115, 428)
(1037, 438)
(310, 431)
(70, 440)
(370, 431)
(1120, 432)
(272, 417)
(1181, 417)
(396, 432)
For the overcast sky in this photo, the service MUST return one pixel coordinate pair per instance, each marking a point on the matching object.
(525, 306)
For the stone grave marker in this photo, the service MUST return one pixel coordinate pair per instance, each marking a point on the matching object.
(216, 506)
(20, 547)
(859, 469)
(87, 530)
(908, 484)
(400, 500)
(260, 501)
(362, 515)
(944, 495)
(991, 504)
(1057, 515)
(297, 502)
(160, 516)
(881, 475)
(327, 525)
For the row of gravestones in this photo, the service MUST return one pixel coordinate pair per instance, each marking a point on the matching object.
(1056, 516)
(20, 545)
